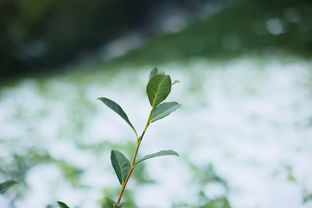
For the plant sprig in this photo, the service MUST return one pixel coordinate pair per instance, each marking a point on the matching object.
(158, 89)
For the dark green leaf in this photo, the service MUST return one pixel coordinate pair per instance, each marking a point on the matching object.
(163, 110)
(120, 164)
(62, 204)
(6, 186)
(115, 107)
(158, 89)
(158, 154)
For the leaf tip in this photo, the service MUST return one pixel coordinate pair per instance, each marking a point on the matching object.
(101, 98)
(62, 204)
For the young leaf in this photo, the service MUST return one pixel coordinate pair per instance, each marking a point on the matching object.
(115, 107)
(6, 186)
(153, 72)
(158, 154)
(175, 82)
(163, 110)
(62, 204)
(120, 164)
(158, 89)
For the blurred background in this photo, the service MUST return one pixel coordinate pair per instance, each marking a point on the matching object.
(244, 132)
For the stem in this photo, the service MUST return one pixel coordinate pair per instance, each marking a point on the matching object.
(139, 140)
(123, 187)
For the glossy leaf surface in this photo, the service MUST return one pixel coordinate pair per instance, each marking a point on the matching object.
(120, 164)
(62, 204)
(163, 110)
(158, 89)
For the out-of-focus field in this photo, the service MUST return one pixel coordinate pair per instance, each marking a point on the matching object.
(243, 133)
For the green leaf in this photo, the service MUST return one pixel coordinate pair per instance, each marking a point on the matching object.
(158, 154)
(164, 110)
(158, 89)
(153, 72)
(175, 82)
(115, 107)
(109, 203)
(62, 204)
(6, 186)
(120, 164)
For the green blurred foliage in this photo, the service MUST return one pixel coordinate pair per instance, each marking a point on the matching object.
(36, 34)
(40, 33)
(204, 176)
(242, 27)
(307, 197)
(217, 203)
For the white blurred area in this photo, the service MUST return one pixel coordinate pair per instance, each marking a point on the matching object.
(250, 118)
